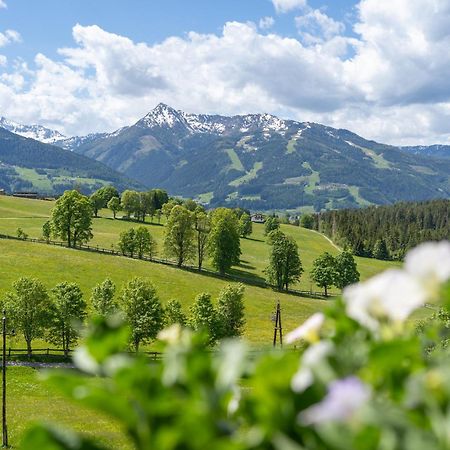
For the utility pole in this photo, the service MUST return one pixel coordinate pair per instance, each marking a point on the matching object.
(4, 425)
(278, 328)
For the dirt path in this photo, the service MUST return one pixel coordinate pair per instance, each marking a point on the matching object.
(329, 240)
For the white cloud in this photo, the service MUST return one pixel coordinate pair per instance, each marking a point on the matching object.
(266, 22)
(2, 4)
(390, 81)
(8, 37)
(283, 6)
(316, 26)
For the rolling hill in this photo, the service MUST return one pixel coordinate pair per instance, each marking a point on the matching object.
(27, 164)
(262, 162)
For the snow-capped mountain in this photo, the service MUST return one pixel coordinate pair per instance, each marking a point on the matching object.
(37, 132)
(263, 162)
(165, 116)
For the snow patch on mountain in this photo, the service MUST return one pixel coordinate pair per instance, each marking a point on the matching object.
(37, 132)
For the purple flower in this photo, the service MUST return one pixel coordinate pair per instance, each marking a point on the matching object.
(344, 398)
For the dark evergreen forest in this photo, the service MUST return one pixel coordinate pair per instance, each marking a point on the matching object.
(386, 232)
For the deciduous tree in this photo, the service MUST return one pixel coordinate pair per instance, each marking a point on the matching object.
(346, 270)
(179, 235)
(204, 316)
(114, 205)
(285, 266)
(230, 311)
(68, 310)
(102, 298)
(245, 225)
(323, 272)
(143, 311)
(173, 313)
(71, 218)
(224, 244)
(28, 307)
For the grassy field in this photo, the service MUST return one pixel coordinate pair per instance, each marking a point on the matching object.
(30, 400)
(55, 264)
(31, 214)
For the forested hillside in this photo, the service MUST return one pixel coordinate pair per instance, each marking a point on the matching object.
(262, 162)
(26, 164)
(387, 232)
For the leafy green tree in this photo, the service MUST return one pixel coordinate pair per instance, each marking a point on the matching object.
(202, 229)
(323, 272)
(160, 198)
(224, 246)
(307, 221)
(127, 242)
(380, 250)
(245, 225)
(28, 308)
(102, 298)
(272, 223)
(114, 205)
(68, 310)
(190, 205)
(47, 231)
(96, 202)
(146, 205)
(158, 215)
(143, 311)
(203, 317)
(131, 203)
(346, 270)
(285, 266)
(144, 242)
(179, 235)
(106, 193)
(167, 208)
(173, 313)
(71, 218)
(230, 311)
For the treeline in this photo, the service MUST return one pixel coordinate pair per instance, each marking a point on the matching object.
(58, 314)
(192, 234)
(386, 232)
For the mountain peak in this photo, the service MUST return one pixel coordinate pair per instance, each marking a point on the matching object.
(161, 115)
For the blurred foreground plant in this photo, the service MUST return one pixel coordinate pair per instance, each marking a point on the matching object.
(366, 379)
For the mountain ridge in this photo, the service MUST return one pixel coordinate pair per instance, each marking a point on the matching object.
(263, 162)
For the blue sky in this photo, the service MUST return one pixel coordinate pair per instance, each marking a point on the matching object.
(380, 68)
(46, 25)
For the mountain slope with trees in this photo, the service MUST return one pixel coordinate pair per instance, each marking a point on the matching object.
(387, 232)
(262, 162)
(27, 164)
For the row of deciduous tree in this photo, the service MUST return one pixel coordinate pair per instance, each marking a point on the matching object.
(57, 315)
(285, 266)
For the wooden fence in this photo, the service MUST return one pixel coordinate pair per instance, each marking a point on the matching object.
(57, 352)
(193, 269)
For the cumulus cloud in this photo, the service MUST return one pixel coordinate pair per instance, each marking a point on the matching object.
(8, 37)
(316, 26)
(283, 6)
(2, 4)
(389, 80)
(266, 22)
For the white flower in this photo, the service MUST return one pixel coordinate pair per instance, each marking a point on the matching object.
(308, 330)
(171, 335)
(311, 358)
(343, 400)
(393, 294)
(430, 263)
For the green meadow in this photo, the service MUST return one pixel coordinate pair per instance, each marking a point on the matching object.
(30, 399)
